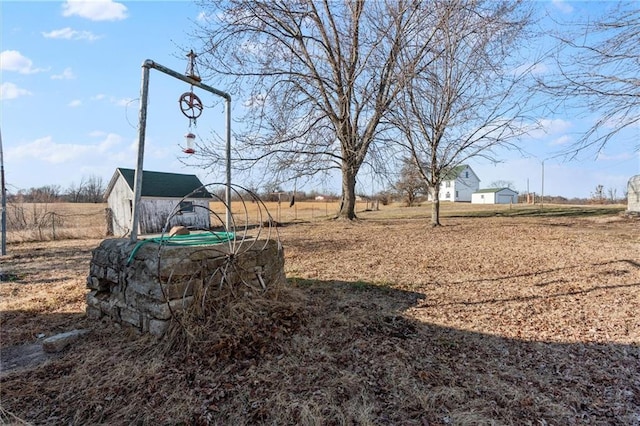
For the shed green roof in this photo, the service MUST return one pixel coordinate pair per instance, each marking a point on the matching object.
(489, 190)
(169, 185)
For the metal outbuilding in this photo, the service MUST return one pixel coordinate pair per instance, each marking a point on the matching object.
(494, 196)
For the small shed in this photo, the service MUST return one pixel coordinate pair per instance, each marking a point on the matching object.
(633, 195)
(494, 196)
(162, 193)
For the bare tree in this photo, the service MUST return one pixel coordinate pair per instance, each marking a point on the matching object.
(74, 192)
(93, 189)
(411, 184)
(598, 73)
(503, 184)
(466, 97)
(316, 79)
(598, 196)
(43, 194)
(89, 190)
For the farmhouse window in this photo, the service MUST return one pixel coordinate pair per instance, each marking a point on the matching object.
(448, 195)
(482, 197)
(457, 194)
(186, 207)
(448, 184)
(466, 174)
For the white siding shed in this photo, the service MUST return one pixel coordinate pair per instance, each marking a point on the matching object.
(162, 194)
(494, 196)
(633, 194)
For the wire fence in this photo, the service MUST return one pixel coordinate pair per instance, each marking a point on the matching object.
(54, 221)
(60, 221)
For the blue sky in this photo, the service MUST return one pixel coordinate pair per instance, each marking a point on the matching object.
(70, 83)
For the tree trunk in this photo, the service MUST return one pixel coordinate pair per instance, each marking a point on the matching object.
(435, 205)
(348, 204)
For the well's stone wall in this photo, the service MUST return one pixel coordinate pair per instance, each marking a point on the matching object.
(143, 291)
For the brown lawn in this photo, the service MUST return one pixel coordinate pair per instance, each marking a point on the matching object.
(518, 317)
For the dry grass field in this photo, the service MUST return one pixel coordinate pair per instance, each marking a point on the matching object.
(55, 221)
(502, 316)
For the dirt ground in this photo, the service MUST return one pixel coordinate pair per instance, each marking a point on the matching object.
(385, 321)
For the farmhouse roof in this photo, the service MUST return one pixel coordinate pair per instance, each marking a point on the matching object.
(454, 172)
(161, 184)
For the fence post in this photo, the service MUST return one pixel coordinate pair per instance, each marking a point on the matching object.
(53, 225)
(108, 213)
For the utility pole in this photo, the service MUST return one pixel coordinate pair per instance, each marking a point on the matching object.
(542, 191)
(3, 189)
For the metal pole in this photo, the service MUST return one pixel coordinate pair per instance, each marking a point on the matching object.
(3, 189)
(151, 64)
(542, 190)
(228, 165)
(142, 126)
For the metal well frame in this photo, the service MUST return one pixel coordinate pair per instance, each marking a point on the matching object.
(142, 127)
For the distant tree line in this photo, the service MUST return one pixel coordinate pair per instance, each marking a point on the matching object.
(409, 189)
(89, 190)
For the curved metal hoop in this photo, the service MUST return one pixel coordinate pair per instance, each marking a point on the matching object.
(190, 105)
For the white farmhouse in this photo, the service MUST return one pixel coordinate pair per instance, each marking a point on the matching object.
(458, 184)
(162, 194)
(494, 196)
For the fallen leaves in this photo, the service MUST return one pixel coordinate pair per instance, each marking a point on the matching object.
(492, 320)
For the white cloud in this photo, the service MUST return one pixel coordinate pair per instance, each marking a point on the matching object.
(70, 34)
(75, 103)
(616, 157)
(67, 74)
(111, 140)
(98, 10)
(549, 127)
(12, 60)
(11, 91)
(562, 140)
(121, 102)
(562, 6)
(618, 121)
(203, 17)
(538, 68)
(556, 125)
(45, 149)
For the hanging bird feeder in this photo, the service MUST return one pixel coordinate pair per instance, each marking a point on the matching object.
(189, 140)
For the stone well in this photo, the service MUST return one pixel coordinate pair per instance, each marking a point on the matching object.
(144, 284)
